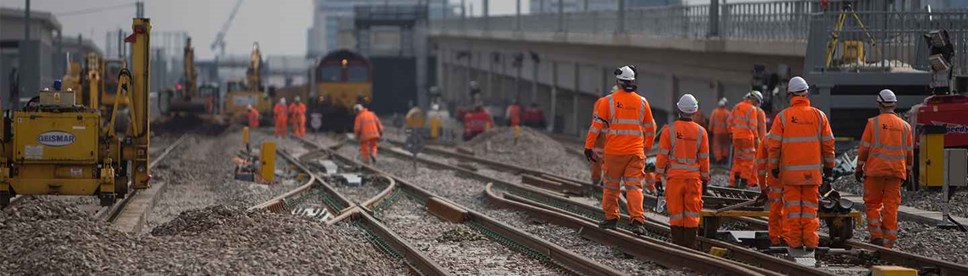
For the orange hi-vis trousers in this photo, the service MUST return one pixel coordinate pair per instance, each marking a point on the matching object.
(684, 201)
(281, 130)
(800, 212)
(721, 144)
(368, 149)
(775, 195)
(597, 166)
(628, 169)
(882, 196)
(744, 154)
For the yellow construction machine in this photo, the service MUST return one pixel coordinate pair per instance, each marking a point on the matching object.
(56, 145)
(239, 95)
(188, 100)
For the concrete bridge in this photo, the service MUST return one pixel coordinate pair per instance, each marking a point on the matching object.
(563, 61)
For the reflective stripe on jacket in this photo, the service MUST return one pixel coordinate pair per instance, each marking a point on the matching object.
(800, 144)
(886, 148)
(743, 122)
(625, 118)
(683, 151)
(367, 125)
(719, 121)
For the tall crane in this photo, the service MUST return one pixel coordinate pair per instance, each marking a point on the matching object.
(220, 38)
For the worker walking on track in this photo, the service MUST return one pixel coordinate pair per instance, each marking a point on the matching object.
(477, 121)
(683, 162)
(280, 112)
(513, 114)
(719, 128)
(599, 147)
(297, 116)
(884, 159)
(744, 126)
(368, 130)
(771, 191)
(801, 144)
(252, 116)
(625, 118)
(760, 116)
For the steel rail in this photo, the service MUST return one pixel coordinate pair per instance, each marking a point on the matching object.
(738, 252)
(110, 213)
(380, 236)
(513, 238)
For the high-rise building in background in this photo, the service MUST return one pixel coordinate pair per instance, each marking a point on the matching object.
(330, 17)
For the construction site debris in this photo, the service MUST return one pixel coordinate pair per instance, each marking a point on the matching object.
(531, 149)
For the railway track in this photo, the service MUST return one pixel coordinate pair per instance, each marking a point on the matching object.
(723, 196)
(405, 198)
(660, 252)
(110, 213)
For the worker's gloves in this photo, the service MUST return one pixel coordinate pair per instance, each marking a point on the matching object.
(828, 174)
(825, 188)
(590, 155)
(775, 173)
(761, 199)
(859, 175)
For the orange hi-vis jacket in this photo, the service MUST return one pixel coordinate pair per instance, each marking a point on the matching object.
(280, 112)
(760, 123)
(800, 143)
(367, 126)
(719, 121)
(743, 122)
(625, 118)
(683, 151)
(886, 148)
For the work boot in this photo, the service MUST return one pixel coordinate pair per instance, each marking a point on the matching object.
(689, 235)
(675, 233)
(877, 241)
(608, 224)
(638, 227)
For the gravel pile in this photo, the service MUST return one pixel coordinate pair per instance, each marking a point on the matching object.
(532, 149)
(200, 174)
(49, 237)
(469, 193)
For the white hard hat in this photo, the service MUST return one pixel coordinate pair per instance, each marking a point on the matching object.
(248, 106)
(723, 101)
(756, 95)
(435, 107)
(886, 96)
(358, 107)
(688, 104)
(625, 73)
(297, 98)
(282, 100)
(797, 85)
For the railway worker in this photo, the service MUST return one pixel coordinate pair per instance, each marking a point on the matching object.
(772, 191)
(718, 127)
(625, 118)
(280, 112)
(700, 119)
(513, 113)
(760, 116)
(744, 126)
(297, 112)
(801, 153)
(683, 161)
(368, 130)
(533, 116)
(599, 147)
(477, 121)
(884, 160)
(253, 116)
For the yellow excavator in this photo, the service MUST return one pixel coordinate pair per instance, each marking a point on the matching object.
(59, 145)
(188, 100)
(240, 94)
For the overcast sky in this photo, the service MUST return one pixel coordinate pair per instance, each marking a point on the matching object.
(278, 25)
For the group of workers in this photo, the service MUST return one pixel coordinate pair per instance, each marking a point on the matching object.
(478, 120)
(793, 161)
(294, 113)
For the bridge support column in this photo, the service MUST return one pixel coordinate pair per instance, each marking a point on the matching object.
(554, 97)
